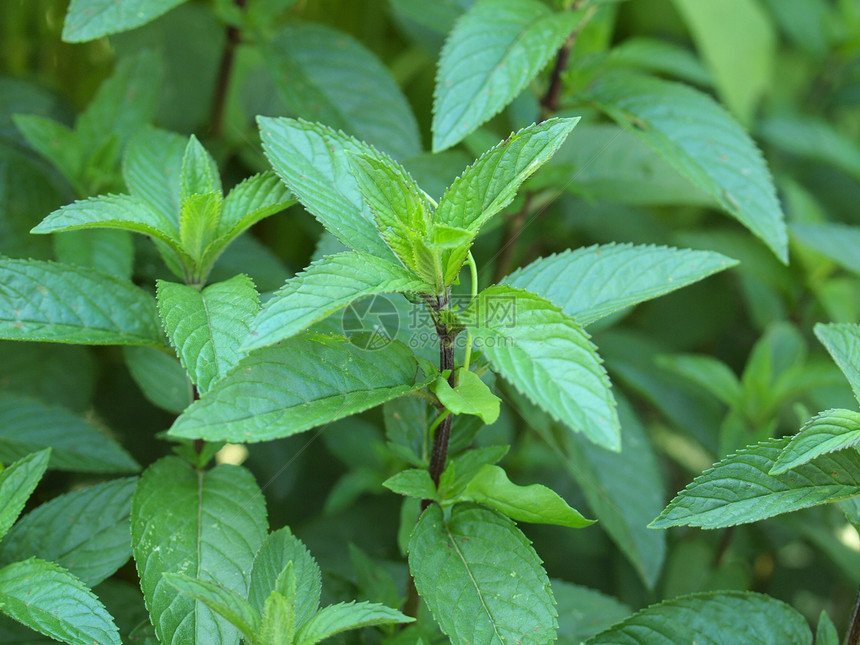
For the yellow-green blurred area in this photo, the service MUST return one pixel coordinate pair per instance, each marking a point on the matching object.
(700, 373)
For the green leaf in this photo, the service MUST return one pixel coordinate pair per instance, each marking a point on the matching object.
(91, 19)
(739, 490)
(28, 425)
(85, 531)
(282, 390)
(462, 469)
(732, 35)
(311, 158)
(206, 524)
(344, 616)
(41, 370)
(534, 503)
(826, 432)
(481, 578)
(278, 621)
(414, 482)
(67, 304)
(583, 612)
(254, 199)
(224, 602)
(813, 138)
(198, 174)
(110, 252)
(592, 282)
(373, 580)
(507, 42)
(280, 549)
(825, 633)
(547, 357)
(17, 483)
(52, 601)
(56, 142)
(470, 396)
(707, 372)
(207, 327)
(491, 183)
(715, 617)
(836, 242)
(327, 285)
(198, 219)
(151, 167)
(843, 343)
(111, 211)
(681, 124)
(161, 377)
(324, 75)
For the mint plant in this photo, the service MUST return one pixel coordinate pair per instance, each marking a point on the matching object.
(475, 380)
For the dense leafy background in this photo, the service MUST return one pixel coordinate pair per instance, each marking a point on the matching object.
(704, 371)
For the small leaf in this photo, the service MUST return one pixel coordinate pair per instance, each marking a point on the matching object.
(198, 174)
(491, 183)
(50, 600)
(207, 327)
(843, 343)
(56, 142)
(535, 503)
(91, 19)
(27, 425)
(86, 531)
(17, 483)
(680, 123)
(151, 166)
(739, 490)
(463, 468)
(254, 199)
(470, 396)
(327, 285)
(67, 304)
(825, 633)
(344, 616)
(324, 75)
(311, 158)
(715, 617)
(224, 602)
(286, 389)
(707, 372)
(826, 432)
(618, 276)
(160, 376)
(281, 550)
(111, 211)
(507, 42)
(277, 626)
(548, 357)
(414, 482)
(481, 578)
(198, 220)
(206, 523)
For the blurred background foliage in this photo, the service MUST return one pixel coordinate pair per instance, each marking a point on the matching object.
(699, 373)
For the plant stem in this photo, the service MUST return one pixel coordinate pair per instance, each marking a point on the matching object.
(225, 70)
(439, 452)
(550, 101)
(853, 637)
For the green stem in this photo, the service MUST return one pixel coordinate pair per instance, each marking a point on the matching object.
(473, 272)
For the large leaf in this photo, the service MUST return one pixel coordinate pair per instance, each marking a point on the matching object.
(312, 158)
(843, 343)
(837, 242)
(207, 525)
(279, 550)
(327, 76)
(17, 483)
(704, 143)
(325, 286)
(343, 616)
(827, 431)
(595, 281)
(299, 384)
(732, 35)
(52, 601)
(85, 531)
(91, 19)
(548, 357)
(28, 425)
(67, 304)
(711, 619)
(507, 42)
(491, 183)
(739, 489)
(481, 578)
(207, 327)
